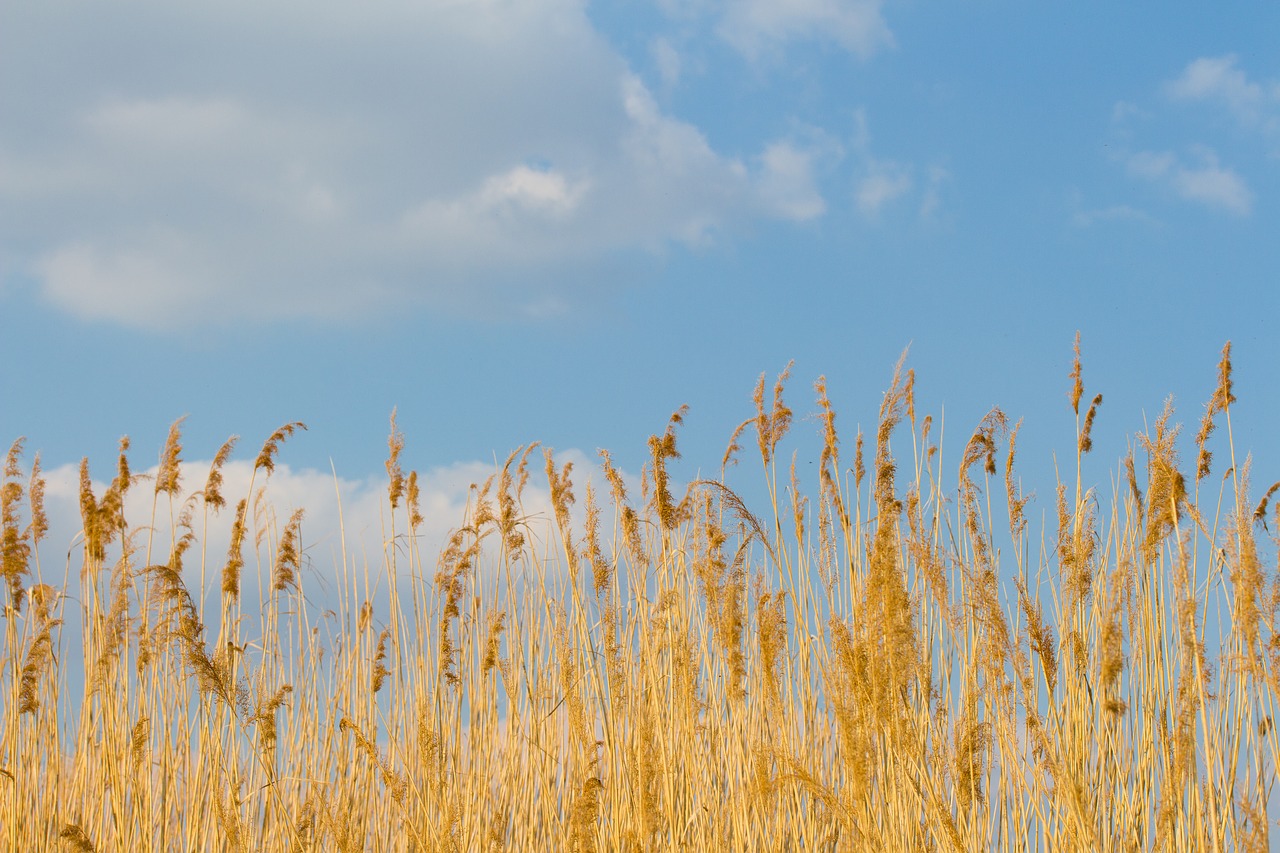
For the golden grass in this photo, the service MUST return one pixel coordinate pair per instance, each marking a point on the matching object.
(853, 669)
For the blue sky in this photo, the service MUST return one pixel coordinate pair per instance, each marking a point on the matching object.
(558, 221)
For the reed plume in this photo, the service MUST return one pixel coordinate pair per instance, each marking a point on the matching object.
(213, 483)
(169, 474)
(267, 456)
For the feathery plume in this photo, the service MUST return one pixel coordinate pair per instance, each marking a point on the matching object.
(412, 498)
(662, 449)
(395, 444)
(734, 447)
(561, 499)
(213, 484)
(601, 567)
(1222, 396)
(138, 743)
(1166, 487)
(1076, 377)
(1017, 501)
(284, 572)
(235, 551)
(380, 671)
(1220, 402)
(95, 534)
(169, 476)
(15, 549)
(34, 665)
(493, 642)
(39, 524)
(771, 426)
(265, 717)
(267, 456)
(771, 630)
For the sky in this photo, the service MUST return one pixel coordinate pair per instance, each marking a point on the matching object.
(559, 221)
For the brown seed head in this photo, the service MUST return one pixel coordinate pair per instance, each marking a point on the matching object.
(1086, 434)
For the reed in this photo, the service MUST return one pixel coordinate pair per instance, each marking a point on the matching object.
(882, 663)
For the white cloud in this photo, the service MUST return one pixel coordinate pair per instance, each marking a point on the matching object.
(1208, 183)
(880, 181)
(1219, 79)
(95, 281)
(788, 181)
(542, 191)
(506, 213)
(883, 183)
(759, 27)
(1216, 187)
(246, 162)
(1199, 176)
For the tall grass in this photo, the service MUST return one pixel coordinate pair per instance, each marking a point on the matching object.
(894, 659)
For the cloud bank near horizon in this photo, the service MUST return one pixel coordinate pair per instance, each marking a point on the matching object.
(346, 524)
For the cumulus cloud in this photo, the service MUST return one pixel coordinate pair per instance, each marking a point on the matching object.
(760, 27)
(1207, 183)
(239, 161)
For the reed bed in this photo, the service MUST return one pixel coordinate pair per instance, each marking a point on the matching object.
(894, 659)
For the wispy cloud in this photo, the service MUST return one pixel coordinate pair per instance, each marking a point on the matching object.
(880, 181)
(883, 183)
(932, 201)
(1207, 183)
(1114, 213)
(760, 27)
